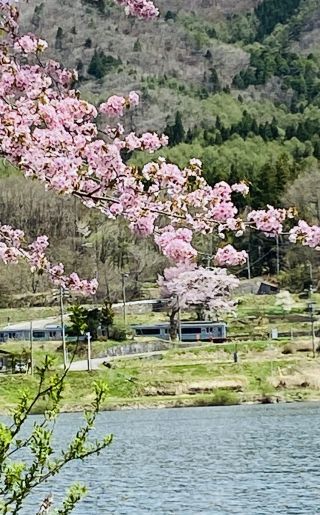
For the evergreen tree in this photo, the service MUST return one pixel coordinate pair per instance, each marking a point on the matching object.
(274, 128)
(101, 6)
(189, 136)
(225, 133)
(271, 12)
(100, 63)
(218, 138)
(219, 124)
(175, 132)
(283, 176)
(59, 37)
(107, 317)
(170, 15)
(137, 46)
(316, 148)
(93, 322)
(302, 133)
(291, 132)
(88, 43)
(213, 81)
(238, 81)
(97, 66)
(245, 125)
(254, 126)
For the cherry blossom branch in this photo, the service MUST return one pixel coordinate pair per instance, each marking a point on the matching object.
(51, 134)
(12, 251)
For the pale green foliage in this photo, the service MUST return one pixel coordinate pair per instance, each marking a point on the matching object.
(18, 479)
(75, 493)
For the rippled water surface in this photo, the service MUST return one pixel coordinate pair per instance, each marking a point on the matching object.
(250, 460)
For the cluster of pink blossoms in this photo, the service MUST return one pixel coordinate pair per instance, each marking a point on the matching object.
(29, 44)
(141, 8)
(229, 256)
(191, 286)
(12, 251)
(306, 234)
(269, 221)
(176, 244)
(115, 105)
(149, 141)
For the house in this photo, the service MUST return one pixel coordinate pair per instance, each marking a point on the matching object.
(256, 286)
(266, 288)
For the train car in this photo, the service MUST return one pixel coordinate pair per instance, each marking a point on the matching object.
(190, 331)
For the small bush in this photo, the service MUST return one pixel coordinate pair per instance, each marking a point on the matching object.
(118, 333)
(288, 349)
(101, 64)
(102, 339)
(219, 398)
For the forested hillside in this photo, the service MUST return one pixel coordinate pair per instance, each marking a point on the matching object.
(235, 83)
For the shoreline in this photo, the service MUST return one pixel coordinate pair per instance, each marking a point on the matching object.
(184, 402)
(219, 398)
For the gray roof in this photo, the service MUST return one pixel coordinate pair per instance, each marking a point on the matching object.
(37, 325)
(166, 324)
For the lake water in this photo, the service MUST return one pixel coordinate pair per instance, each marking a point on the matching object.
(250, 460)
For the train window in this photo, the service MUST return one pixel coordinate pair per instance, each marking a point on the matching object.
(150, 331)
(191, 330)
(38, 334)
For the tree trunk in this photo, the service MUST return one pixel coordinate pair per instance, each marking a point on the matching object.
(200, 313)
(173, 330)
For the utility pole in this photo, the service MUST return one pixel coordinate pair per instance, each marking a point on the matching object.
(248, 266)
(31, 348)
(63, 334)
(311, 307)
(311, 277)
(179, 320)
(278, 254)
(89, 352)
(123, 277)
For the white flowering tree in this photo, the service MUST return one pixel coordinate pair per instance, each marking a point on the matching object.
(207, 291)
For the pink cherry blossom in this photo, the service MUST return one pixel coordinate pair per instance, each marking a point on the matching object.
(151, 141)
(176, 244)
(29, 44)
(269, 221)
(241, 188)
(229, 256)
(141, 8)
(144, 226)
(114, 106)
(194, 286)
(305, 234)
(133, 98)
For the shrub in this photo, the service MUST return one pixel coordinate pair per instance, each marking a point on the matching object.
(118, 333)
(288, 349)
(100, 64)
(219, 398)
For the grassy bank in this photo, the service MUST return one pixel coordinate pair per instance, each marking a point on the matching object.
(267, 371)
(207, 375)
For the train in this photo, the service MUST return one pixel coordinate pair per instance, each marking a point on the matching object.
(190, 331)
